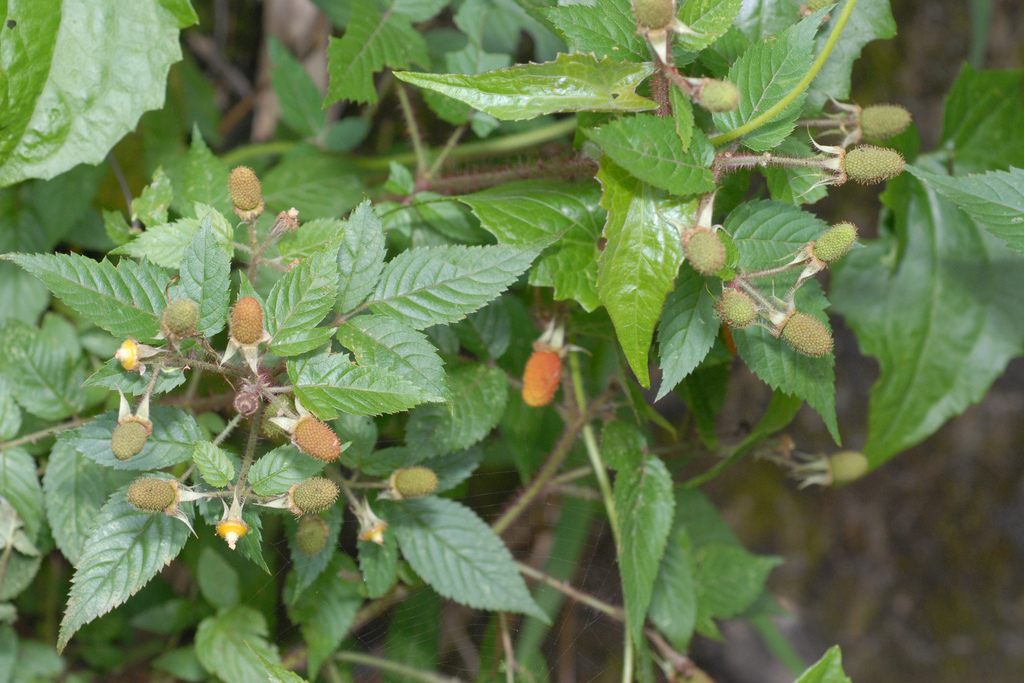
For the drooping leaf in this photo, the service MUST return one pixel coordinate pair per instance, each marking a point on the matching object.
(674, 602)
(275, 471)
(384, 341)
(45, 378)
(325, 611)
(687, 329)
(226, 641)
(829, 669)
(571, 83)
(204, 279)
(174, 432)
(727, 580)
(454, 551)
(984, 122)
(297, 303)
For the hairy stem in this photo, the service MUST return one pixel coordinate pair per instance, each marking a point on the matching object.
(414, 129)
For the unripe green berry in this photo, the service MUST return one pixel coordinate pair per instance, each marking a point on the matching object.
(315, 494)
(129, 438)
(719, 96)
(881, 121)
(736, 308)
(180, 318)
(705, 251)
(807, 335)
(244, 189)
(414, 482)
(869, 165)
(846, 466)
(835, 242)
(152, 494)
(654, 13)
(311, 536)
(247, 321)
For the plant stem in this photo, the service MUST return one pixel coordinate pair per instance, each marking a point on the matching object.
(563, 587)
(247, 460)
(42, 433)
(409, 672)
(733, 161)
(450, 144)
(789, 98)
(414, 129)
(228, 429)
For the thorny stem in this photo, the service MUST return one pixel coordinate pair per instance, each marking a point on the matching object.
(42, 433)
(255, 250)
(727, 161)
(450, 144)
(228, 429)
(816, 66)
(414, 129)
(247, 460)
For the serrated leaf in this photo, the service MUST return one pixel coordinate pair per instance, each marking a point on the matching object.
(10, 413)
(641, 258)
(570, 83)
(70, 96)
(326, 611)
(983, 121)
(126, 549)
(275, 672)
(430, 285)
(327, 384)
(151, 205)
(199, 177)
(993, 199)
(644, 508)
(606, 28)
(709, 18)
(360, 257)
(385, 342)
(317, 236)
(174, 432)
(20, 487)
(478, 397)
(275, 471)
(226, 641)
(727, 579)
(766, 232)
(251, 545)
(127, 301)
(45, 378)
(297, 303)
(307, 568)
(162, 244)
(674, 605)
(454, 551)
(829, 669)
(765, 73)
(686, 331)
(214, 465)
(297, 94)
(204, 278)
(942, 319)
(112, 376)
(567, 217)
(372, 41)
(379, 564)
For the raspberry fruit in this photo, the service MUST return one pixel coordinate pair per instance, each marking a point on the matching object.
(807, 335)
(314, 495)
(313, 437)
(736, 308)
(180, 319)
(835, 242)
(247, 321)
(129, 438)
(311, 536)
(152, 494)
(413, 482)
(541, 378)
(881, 121)
(719, 96)
(654, 13)
(705, 251)
(244, 189)
(869, 165)
(846, 466)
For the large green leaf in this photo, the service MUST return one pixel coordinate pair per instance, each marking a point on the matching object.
(45, 378)
(829, 669)
(204, 279)
(325, 612)
(940, 308)
(984, 122)
(361, 253)
(640, 260)
(126, 549)
(372, 41)
(606, 28)
(226, 642)
(174, 432)
(75, 81)
(727, 580)
(320, 234)
(297, 303)
(644, 509)
(386, 342)
(570, 83)
(993, 199)
(454, 551)
(298, 96)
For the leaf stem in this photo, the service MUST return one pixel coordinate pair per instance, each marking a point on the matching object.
(414, 130)
(42, 433)
(789, 98)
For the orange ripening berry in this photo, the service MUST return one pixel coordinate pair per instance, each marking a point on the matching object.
(541, 378)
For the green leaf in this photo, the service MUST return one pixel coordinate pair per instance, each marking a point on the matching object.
(385, 342)
(379, 565)
(45, 378)
(297, 303)
(829, 669)
(606, 28)
(648, 147)
(10, 413)
(941, 310)
(478, 397)
(126, 549)
(297, 94)
(204, 278)
(794, 185)
(71, 94)
(641, 258)
(251, 545)
(993, 199)
(430, 285)
(275, 471)
(327, 384)
(983, 121)
(372, 41)
(622, 446)
(644, 507)
(727, 580)
(307, 568)
(213, 463)
(683, 117)
(226, 641)
(686, 331)
(162, 244)
(325, 612)
(75, 489)
(454, 551)
(360, 257)
(710, 18)
(316, 236)
(174, 432)
(317, 184)
(217, 579)
(414, 633)
(127, 301)
(567, 217)
(570, 83)
(275, 672)
(112, 376)
(199, 177)
(151, 206)
(765, 74)
(674, 602)
(20, 487)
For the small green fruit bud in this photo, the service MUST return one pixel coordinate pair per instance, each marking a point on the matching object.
(247, 321)
(314, 495)
(736, 308)
(719, 96)
(807, 335)
(311, 536)
(413, 482)
(881, 121)
(835, 242)
(180, 318)
(705, 251)
(869, 165)
(244, 189)
(129, 438)
(654, 13)
(846, 466)
(152, 494)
